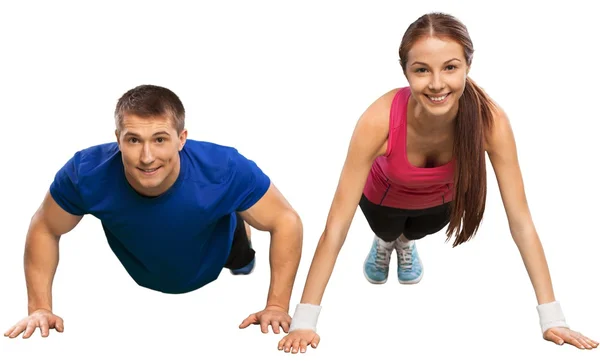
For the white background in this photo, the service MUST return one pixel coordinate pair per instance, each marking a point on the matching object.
(285, 83)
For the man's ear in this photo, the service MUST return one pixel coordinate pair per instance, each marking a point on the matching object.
(182, 138)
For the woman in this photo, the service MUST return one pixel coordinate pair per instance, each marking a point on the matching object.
(416, 164)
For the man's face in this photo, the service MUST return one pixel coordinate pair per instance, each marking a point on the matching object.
(150, 151)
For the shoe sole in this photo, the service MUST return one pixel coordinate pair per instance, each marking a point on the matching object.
(412, 282)
(243, 274)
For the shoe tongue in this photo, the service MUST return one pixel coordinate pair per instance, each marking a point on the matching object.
(388, 245)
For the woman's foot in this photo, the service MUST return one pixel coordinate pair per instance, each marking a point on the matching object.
(377, 263)
(410, 268)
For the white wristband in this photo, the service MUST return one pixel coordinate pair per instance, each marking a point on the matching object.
(305, 317)
(551, 315)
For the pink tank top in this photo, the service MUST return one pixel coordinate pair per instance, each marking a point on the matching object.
(394, 182)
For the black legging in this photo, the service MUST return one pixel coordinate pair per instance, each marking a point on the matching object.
(241, 253)
(389, 223)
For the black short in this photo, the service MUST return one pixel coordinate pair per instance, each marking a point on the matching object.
(389, 223)
(241, 253)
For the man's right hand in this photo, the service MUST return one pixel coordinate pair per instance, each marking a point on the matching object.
(41, 318)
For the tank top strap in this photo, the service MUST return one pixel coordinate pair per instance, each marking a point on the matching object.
(397, 130)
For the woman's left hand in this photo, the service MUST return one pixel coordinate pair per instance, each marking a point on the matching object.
(560, 335)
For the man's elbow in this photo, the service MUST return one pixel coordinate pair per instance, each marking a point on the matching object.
(289, 222)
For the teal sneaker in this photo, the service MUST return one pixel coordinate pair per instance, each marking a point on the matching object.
(246, 270)
(410, 268)
(377, 263)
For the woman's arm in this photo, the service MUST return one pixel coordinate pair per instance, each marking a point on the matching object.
(502, 152)
(369, 140)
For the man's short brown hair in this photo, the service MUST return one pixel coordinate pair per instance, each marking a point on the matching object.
(148, 101)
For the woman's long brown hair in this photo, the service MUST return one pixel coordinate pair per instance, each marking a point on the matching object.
(475, 116)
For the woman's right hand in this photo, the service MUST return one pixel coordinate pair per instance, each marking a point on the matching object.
(298, 340)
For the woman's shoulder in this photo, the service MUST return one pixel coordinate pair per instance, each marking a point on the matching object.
(380, 108)
(373, 126)
(499, 128)
(377, 114)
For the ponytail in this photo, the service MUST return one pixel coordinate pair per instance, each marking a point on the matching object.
(474, 118)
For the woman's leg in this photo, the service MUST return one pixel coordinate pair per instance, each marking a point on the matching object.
(429, 221)
(387, 224)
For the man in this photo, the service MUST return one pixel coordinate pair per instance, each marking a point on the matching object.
(175, 212)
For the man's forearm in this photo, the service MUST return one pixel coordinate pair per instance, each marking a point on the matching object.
(285, 253)
(40, 262)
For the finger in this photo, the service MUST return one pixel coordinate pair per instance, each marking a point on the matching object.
(303, 344)
(17, 329)
(264, 326)
(285, 325)
(573, 341)
(249, 321)
(551, 336)
(296, 346)
(44, 328)
(31, 326)
(592, 342)
(315, 341)
(288, 345)
(60, 325)
(281, 343)
(9, 331)
(584, 342)
(275, 326)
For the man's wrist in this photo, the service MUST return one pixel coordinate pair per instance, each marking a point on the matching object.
(278, 306)
(34, 307)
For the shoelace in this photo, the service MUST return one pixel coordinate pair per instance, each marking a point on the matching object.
(381, 257)
(405, 255)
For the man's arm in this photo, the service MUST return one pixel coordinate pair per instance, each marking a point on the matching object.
(40, 260)
(41, 255)
(273, 214)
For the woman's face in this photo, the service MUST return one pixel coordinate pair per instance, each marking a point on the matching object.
(436, 70)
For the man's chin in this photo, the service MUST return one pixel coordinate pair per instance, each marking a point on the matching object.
(150, 185)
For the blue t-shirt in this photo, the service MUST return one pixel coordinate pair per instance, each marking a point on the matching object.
(176, 242)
